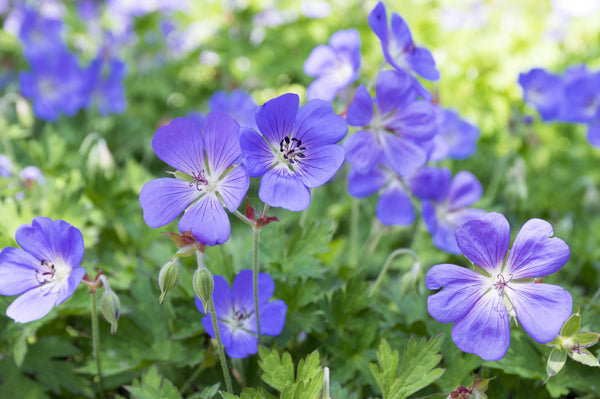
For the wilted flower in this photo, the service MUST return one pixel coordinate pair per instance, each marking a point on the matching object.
(45, 272)
(480, 302)
(235, 312)
(206, 167)
(294, 151)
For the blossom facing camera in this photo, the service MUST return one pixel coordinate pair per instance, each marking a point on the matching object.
(207, 172)
(295, 150)
(236, 314)
(44, 271)
(480, 302)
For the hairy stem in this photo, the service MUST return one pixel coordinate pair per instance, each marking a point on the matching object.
(387, 263)
(255, 234)
(221, 351)
(96, 344)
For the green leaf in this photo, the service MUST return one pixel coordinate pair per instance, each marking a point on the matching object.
(417, 370)
(153, 386)
(277, 371)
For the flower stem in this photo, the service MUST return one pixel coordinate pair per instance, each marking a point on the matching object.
(387, 263)
(222, 358)
(243, 218)
(353, 261)
(96, 344)
(255, 235)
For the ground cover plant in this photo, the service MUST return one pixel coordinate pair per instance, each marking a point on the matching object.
(299, 199)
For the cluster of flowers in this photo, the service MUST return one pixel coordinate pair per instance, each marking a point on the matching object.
(57, 83)
(573, 97)
(400, 131)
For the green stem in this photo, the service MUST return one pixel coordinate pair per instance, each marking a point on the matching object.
(594, 299)
(96, 344)
(255, 235)
(387, 263)
(222, 358)
(243, 218)
(353, 261)
(186, 385)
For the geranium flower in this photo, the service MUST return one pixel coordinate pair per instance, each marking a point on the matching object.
(544, 90)
(45, 272)
(456, 138)
(335, 66)
(238, 104)
(294, 151)
(398, 47)
(236, 316)
(480, 302)
(446, 203)
(206, 174)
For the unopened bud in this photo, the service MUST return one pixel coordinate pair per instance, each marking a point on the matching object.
(168, 278)
(203, 286)
(110, 307)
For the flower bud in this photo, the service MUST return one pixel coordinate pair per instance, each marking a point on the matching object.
(168, 278)
(110, 307)
(203, 286)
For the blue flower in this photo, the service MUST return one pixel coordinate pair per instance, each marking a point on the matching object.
(480, 302)
(294, 151)
(41, 36)
(582, 98)
(335, 66)
(206, 174)
(105, 84)
(455, 139)
(394, 206)
(446, 203)
(544, 90)
(398, 128)
(56, 84)
(45, 272)
(398, 46)
(236, 316)
(6, 166)
(238, 104)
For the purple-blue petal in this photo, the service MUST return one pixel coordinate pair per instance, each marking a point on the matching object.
(243, 344)
(280, 188)
(416, 120)
(465, 190)
(360, 111)
(272, 318)
(463, 288)
(275, 119)
(534, 253)
(362, 150)
(542, 309)
(364, 184)
(321, 59)
(32, 305)
(317, 124)
(180, 144)
(394, 207)
(207, 221)
(233, 187)
(379, 24)
(17, 271)
(423, 64)
(593, 134)
(221, 141)
(485, 330)
(401, 32)
(485, 241)
(256, 153)
(66, 289)
(394, 91)
(163, 199)
(319, 165)
(403, 156)
(243, 291)
(430, 183)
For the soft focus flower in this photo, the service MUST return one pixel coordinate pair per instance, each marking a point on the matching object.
(455, 138)
(480, 302)
(239, 105)
(40, 36)
(205, 164)
(398, 128)
(544, 90)
(6, 166)
(398, 46)
(582, 98)
(105, 84)
(236, 314)
(294, 151)
(56, 84)
(446, 203)
(31, 174)
(335, 66)
(45, 272)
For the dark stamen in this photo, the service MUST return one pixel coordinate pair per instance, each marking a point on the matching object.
(199, 180)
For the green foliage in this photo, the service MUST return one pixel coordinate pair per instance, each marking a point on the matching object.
(153, 386)
(416, 372)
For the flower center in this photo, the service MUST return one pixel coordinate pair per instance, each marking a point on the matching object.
(238, 318)
(291, 149)
(199, 180)
(501, 284)
(45, 273)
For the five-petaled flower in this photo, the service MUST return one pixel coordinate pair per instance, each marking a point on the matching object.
(295, 150)
(235, 311)
(480, 302)
(207, 173)
(45, 272)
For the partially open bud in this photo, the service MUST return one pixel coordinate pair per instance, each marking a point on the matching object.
(110, 306)
(203, 286)
(168, 278)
